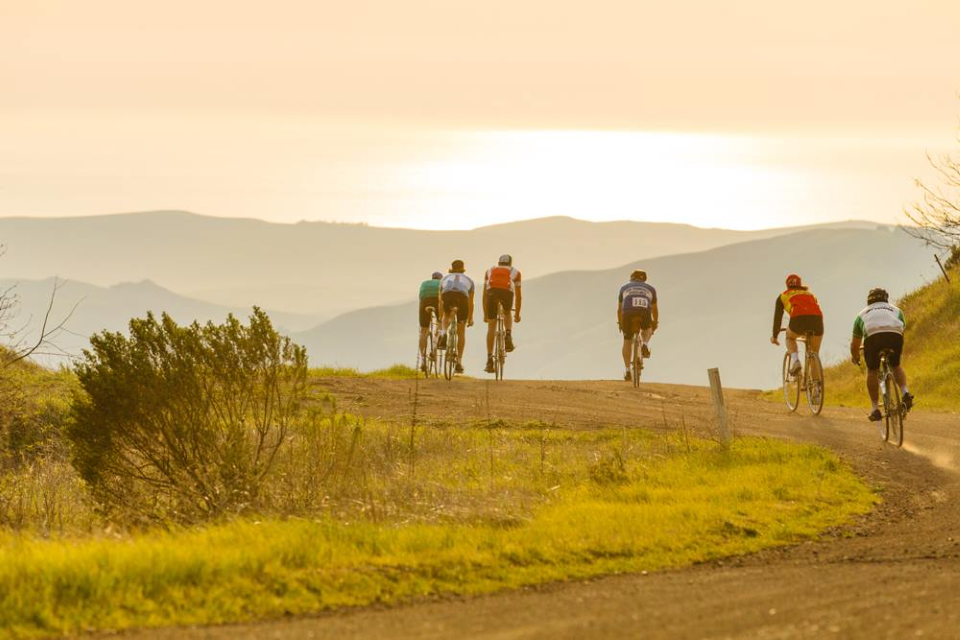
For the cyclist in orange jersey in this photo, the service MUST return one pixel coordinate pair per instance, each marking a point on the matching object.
(805, 317)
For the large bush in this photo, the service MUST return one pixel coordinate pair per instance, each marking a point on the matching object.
(184, 422)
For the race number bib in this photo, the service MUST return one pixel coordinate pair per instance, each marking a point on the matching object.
(640, 303)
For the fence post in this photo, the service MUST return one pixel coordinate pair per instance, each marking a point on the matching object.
(716, 391)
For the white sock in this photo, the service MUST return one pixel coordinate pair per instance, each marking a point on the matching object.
(876, 406)
(904, 389)
(794, 358)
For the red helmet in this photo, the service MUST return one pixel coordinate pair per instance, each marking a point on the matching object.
(793, 281)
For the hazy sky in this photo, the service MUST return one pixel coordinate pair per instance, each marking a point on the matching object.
(453, 114)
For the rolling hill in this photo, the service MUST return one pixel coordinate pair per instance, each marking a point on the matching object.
(318, 268)
(111, 308)
(716, 310)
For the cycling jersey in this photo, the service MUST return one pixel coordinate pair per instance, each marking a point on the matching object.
(456, 282)
(430, 289)
(797, 303)
(636, 295)
(879, 317)
(501, 277)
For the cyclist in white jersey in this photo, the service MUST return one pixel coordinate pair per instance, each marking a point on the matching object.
(456, 293)
(879, 327)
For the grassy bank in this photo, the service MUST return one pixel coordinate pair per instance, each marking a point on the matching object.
(395, 372)
(475, 511)
(931, 351)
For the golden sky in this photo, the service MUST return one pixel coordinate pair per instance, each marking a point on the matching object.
(293, 109)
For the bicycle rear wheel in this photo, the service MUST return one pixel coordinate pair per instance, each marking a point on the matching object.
(884, 425)
(431, 355)
(450, 363)
(894, 417)
(636, 367)
(499, 347)
(791, 385)
(813, 378)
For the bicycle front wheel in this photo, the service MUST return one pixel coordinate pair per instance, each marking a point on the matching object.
(894, 418)
(791, 385)
(814, 384)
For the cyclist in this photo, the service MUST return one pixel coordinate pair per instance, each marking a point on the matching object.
(637, 311)
(501, 285)
(456, 292)
(805, 317)
(880, 326)
(429, 297)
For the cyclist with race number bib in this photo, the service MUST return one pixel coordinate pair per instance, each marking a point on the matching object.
(880, 327)
(456, 293)
(805, 318)
(501, 286)
(637, 311)
(429, 297)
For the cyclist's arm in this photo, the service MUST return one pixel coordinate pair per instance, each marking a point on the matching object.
(655, 314)
(519, 300)
(472, 292)
(777, 316)
(855, 349)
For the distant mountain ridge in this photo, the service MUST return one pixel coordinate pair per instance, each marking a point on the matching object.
(716, 310)
(320, 268)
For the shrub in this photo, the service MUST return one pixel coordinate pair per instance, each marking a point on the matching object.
(185, 422)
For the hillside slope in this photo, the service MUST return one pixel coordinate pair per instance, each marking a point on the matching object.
(716, 310)
(931, 350)
(111, 308)
(320, 268)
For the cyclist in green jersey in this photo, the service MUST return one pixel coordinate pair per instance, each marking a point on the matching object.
(429, 297)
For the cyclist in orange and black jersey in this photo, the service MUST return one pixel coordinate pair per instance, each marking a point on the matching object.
(805, 317)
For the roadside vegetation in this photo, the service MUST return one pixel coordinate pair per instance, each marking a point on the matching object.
(931, 349)
(189, 474)
(395, 372)
(464, 511)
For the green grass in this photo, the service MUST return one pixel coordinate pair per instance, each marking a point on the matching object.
(397, 371)
(606, 501)
(931, 351)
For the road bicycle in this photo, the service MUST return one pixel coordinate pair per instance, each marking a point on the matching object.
(500, 343)
(452, 355)
(431, 359)
(809, 380)
(892, 407)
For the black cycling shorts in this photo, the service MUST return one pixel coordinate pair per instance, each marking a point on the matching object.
(876, 343)
(425, 304)
(494, 296)
(802, 325)
(459, 301)
(632, 319)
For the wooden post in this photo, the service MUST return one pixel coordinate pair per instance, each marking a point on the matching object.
(940, 264)
(716, 391)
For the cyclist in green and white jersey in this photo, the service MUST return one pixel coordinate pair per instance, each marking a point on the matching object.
(880, 326)
(429, 297)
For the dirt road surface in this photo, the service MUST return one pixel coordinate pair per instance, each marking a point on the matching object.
(892, 574)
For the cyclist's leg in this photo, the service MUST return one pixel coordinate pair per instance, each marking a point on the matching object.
(423, 339)
(625, 329)
(490, 317)
(462, 337)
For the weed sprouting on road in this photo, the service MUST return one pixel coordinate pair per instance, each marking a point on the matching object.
(487, 507)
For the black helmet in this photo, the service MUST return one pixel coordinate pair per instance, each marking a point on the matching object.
(506, 259)
(456, 266)
(639, 274)
(437, 275)
(877, 295)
